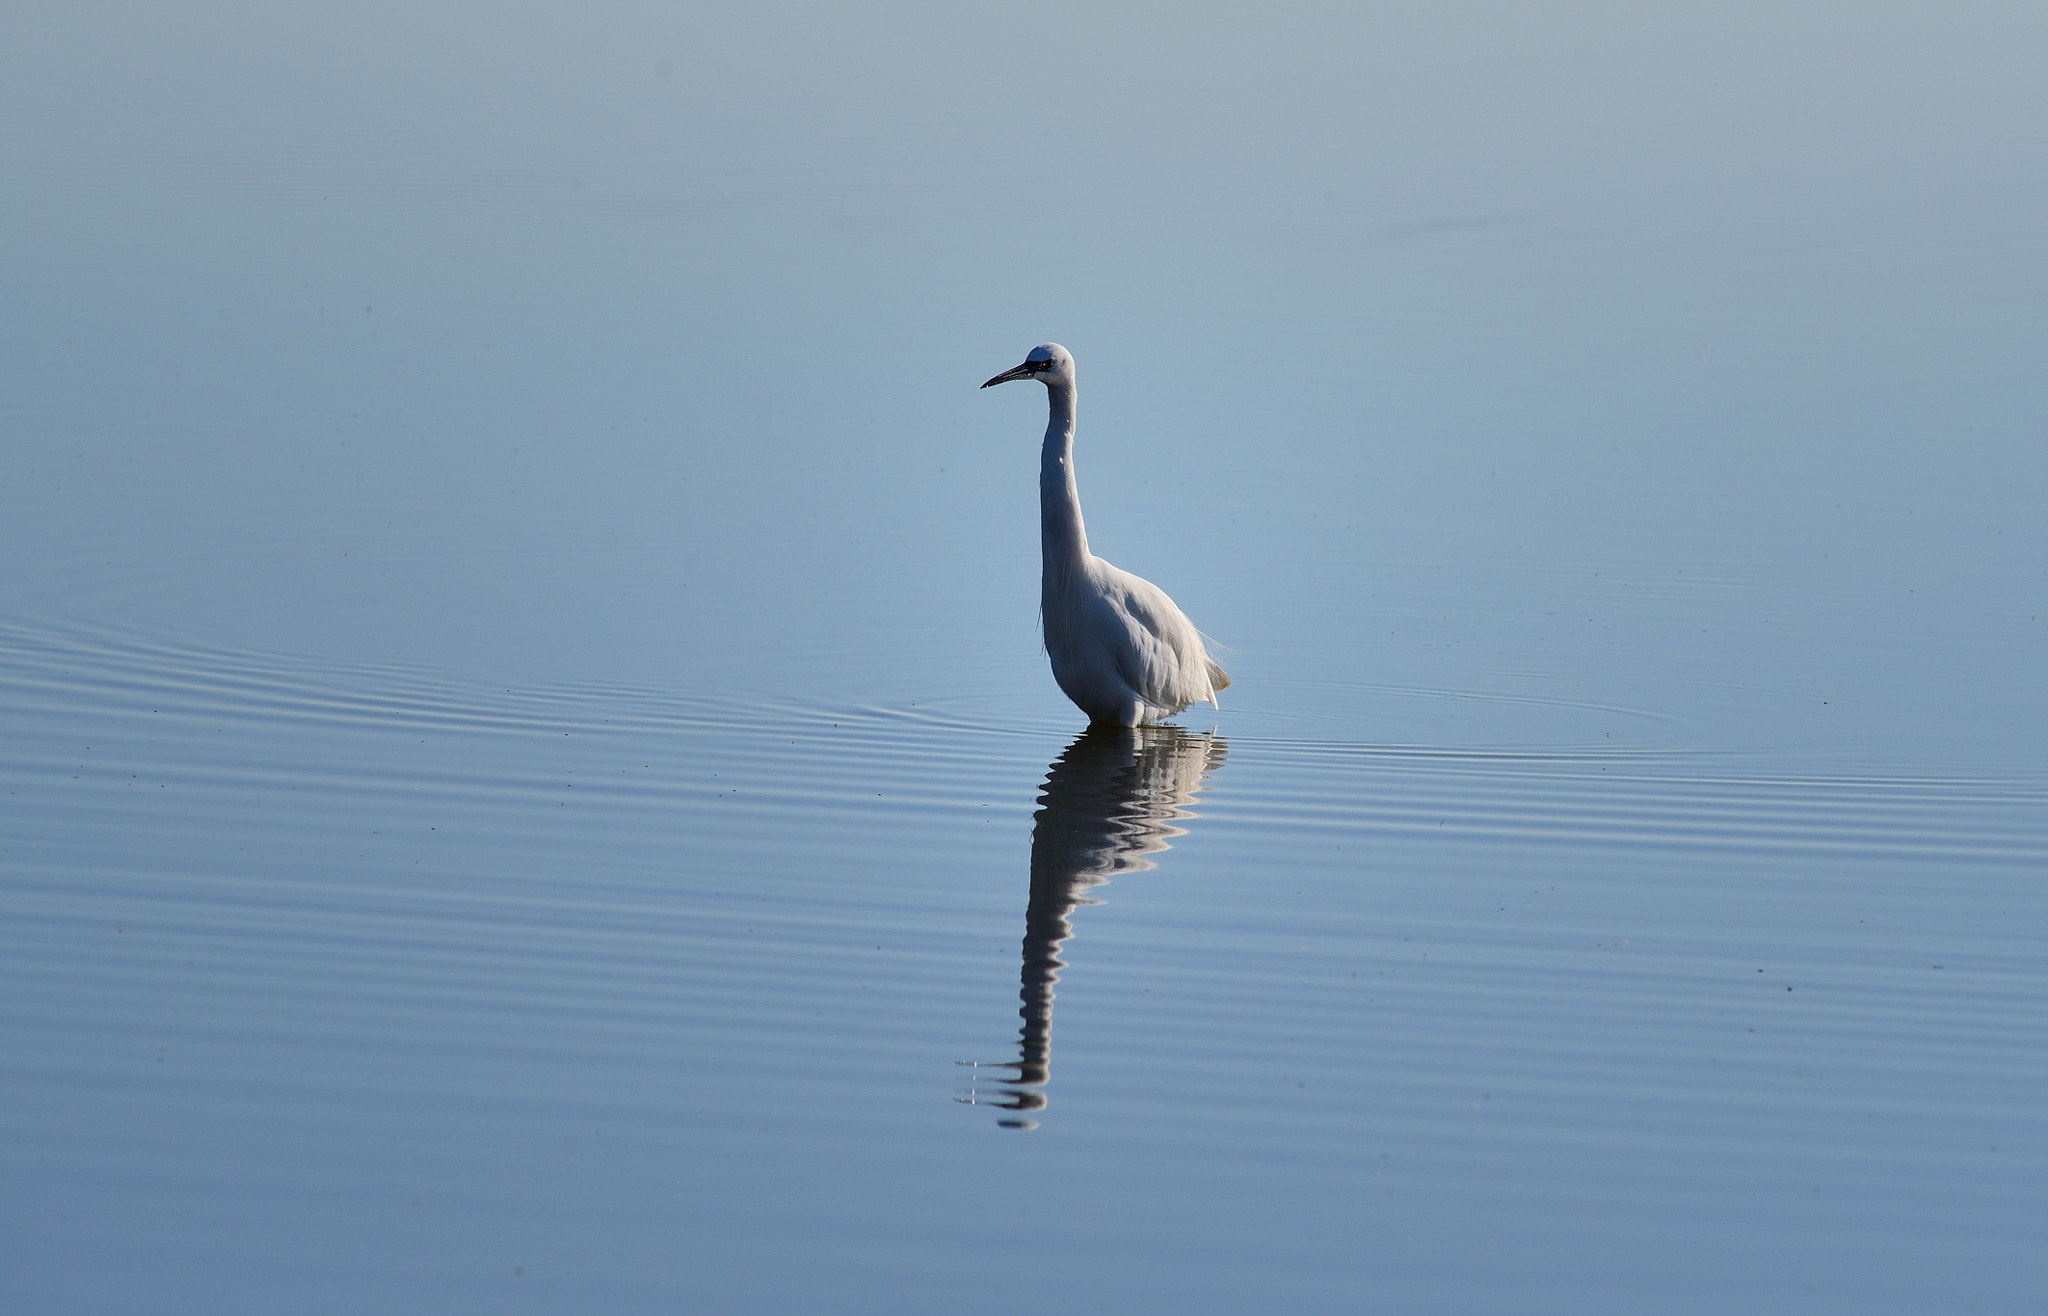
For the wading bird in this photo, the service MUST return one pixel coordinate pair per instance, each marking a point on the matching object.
(1119, 647)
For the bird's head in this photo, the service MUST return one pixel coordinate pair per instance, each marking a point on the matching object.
(1048, 363)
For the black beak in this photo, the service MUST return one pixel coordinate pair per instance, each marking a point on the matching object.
(1024, 371)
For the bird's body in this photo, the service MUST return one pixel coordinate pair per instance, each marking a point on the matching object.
(1119, 647)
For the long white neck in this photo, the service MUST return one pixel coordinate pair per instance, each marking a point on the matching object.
(1062, 538)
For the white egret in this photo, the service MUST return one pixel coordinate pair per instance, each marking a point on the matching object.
(1119, 647)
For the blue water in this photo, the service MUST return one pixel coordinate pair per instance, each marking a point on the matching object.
(530, 784)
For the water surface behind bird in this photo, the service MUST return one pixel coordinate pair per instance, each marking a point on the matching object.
(531, 783)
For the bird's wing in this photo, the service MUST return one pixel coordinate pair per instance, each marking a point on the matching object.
(1163, 660)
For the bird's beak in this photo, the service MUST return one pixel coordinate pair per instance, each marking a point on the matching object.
(1017, 372)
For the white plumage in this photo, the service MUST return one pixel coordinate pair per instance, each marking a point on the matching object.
(1119, 647)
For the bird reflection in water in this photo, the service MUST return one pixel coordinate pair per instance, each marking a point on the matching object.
(1112, 799)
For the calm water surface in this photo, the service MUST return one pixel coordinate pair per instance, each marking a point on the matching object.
(530, 784)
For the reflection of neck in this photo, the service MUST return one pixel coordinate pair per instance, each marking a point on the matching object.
(1042, 964)
(1054, 893)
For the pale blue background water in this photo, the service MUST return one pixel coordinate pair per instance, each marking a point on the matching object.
(521, 719)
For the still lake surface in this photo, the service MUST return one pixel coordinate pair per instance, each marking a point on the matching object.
(530, 785)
